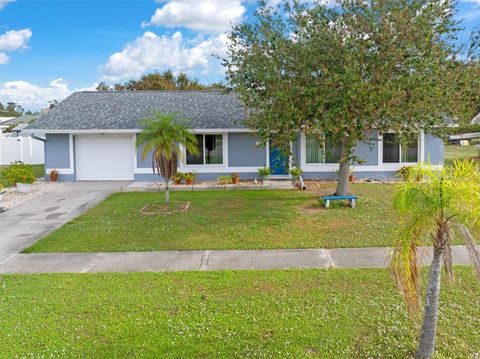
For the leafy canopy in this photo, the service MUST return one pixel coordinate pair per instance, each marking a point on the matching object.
(390, 64)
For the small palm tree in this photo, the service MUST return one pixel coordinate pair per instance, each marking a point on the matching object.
(163, 135)
(432, 204)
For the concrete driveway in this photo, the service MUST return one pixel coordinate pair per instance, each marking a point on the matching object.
(22, 226)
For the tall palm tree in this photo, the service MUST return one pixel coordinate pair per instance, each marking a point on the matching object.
(433, 204)
(163, 136)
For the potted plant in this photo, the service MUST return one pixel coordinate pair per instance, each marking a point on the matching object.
(178, 178)
(53, 175)
(264, 173)
(295, 172)
(224, 180)
(351, 177)
(235, 178)
(190, 177)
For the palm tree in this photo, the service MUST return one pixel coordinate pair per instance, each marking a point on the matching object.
(433, 204)
(163, 136)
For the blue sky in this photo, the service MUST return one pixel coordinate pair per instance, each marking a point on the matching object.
(50, 48)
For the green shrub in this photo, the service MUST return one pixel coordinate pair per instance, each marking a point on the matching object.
(264, 171)
(18, 172)
(296, 172)
(224, 179)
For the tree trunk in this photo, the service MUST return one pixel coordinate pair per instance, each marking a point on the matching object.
(344, 167)
(342, 182)
(167, 191)
(426, 345)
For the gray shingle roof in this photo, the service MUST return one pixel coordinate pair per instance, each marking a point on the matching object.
(123, 110)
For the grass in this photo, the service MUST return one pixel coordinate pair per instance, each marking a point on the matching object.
(230, 220)
(453, 152)
(287, 314)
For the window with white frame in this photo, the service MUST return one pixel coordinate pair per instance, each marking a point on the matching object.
(210, 150)
(395, 151)
(321, 149)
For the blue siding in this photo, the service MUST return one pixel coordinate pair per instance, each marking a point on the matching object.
(244, 152)
(66, 178)
(368, 150)
(141, 163)
(57, 151)
(200, 176)
(434, 149)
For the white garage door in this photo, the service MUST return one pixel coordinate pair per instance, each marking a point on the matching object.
(104, 157)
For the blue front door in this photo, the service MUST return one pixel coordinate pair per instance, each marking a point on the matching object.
(278, 162)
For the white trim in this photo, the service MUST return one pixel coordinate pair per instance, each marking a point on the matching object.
(386, 167)
(72, 154)
(380, 167)
(202, 169)
(124, 131)
(135, 151)
(267, 154)
(422, 146)
(185, 167)
(402, 164)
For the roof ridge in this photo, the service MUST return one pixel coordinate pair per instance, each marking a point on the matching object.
(136, 91)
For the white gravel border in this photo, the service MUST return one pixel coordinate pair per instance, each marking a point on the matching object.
(11, 198)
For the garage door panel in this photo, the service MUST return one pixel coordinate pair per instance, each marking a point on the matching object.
(104, 157)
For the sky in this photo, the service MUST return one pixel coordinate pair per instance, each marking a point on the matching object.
(48, 49)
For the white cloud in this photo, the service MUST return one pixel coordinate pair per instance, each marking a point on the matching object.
(34, 97)
(4, 3)
(152, 52)
(3, 58)
(15, 39)
(208, 16)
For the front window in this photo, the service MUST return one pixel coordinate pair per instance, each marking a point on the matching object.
(210, 151)
(322, 150)
(396, 152)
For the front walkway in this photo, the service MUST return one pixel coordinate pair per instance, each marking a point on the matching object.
(209, 260)
(139, 186)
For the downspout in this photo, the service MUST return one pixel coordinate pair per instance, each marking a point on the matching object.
(303, 186)
(37, 138)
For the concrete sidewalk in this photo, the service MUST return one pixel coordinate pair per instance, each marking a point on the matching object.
(209, 260)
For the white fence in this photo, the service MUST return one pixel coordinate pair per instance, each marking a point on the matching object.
(25, 149)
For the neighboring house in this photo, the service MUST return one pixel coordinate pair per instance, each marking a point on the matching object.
(19, 123)
(91, 136)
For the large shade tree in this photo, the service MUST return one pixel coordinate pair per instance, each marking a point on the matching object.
(163, 136)
(339, 71)
(431, 211)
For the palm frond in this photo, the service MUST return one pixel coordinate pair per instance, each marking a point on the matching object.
(472, 249)
(163, 136)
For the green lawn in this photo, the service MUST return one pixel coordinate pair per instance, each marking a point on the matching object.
(284, 314)
(453, 152)
(230, 220)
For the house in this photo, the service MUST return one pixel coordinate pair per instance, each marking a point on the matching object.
(91, 136)
(18, 124)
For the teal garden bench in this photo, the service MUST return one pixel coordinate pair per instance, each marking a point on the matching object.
(351, 199)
